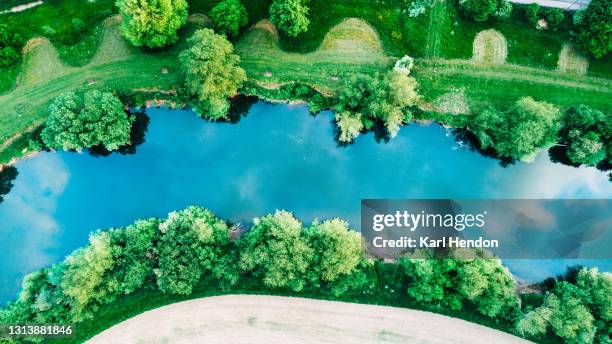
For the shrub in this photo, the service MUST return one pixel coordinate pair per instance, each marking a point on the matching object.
(152, 23)
(532, 13)
(418, 7)
(10, 47)
(212, 72)
(229, 16)
(290, 16)
(77, 25)
(594, 27)
(83, 121)
(586, 132)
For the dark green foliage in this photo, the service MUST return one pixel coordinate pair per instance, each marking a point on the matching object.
(451, 282)
(290, 16)
(288, 92)
(532, 13)
(586, 132)
(10, 46)
(594, 25)
(483, 10)
(152, 23)
(7, 177)
(229, 16)
(554, 17)
(78, 25)
(83, 121)
(212, 72)
(519, 133)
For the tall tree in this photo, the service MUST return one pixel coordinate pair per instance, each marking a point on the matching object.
(212, 72)
(290, 16)
(83, 121)
(152, 23)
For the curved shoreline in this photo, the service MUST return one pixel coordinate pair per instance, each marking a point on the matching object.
(280, 319)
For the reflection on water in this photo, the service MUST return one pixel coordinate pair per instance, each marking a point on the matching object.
(277, 157)
(7, 176)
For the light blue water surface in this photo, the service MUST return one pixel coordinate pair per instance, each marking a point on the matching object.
(278, 157)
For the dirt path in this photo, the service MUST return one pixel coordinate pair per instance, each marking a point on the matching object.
(274, 319)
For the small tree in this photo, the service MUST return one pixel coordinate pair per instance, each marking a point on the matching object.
(290, 16)
(483, 10)
(10, 46)
(77, 122)
(229, 16)
(594, 27)
(212, 72)
(586, 132)
(152, 23)
(532, 13)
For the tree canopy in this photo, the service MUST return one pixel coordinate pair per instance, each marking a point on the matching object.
(587, 133)
(212, 72)
(519, 133)
(290, 16)
(10, 46)
(83, 121)
(152, 23)
(229, 16)
(594, 26)
(366, 100)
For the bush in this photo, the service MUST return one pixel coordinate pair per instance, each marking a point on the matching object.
(594, 26)
(84, 121)
(586, 132)
(532, 13)
(152, 23)
(229, 16)
(10, 47)
(418, 7)
(212, 72)
(290, 16)
(78, 26)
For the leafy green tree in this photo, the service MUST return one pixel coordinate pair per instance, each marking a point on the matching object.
(229, 16)
(521, 132)
(290, 16)
(532, 13)
(275, 249)
(83, 276)
(594, 26)
(375, 99)
(152, 23)
(192, 242)
(337, 249)
(10, 46)
(212, 72)
(77, 122)
(554, 17)
(586, 149)
(586, 132)
(483, 10)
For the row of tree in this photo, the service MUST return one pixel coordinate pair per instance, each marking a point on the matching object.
(175, 253)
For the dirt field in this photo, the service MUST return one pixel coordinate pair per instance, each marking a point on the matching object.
(274, 319)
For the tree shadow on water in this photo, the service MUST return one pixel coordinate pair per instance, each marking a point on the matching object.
(137, 137)
(7, 176)
(240, 107)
